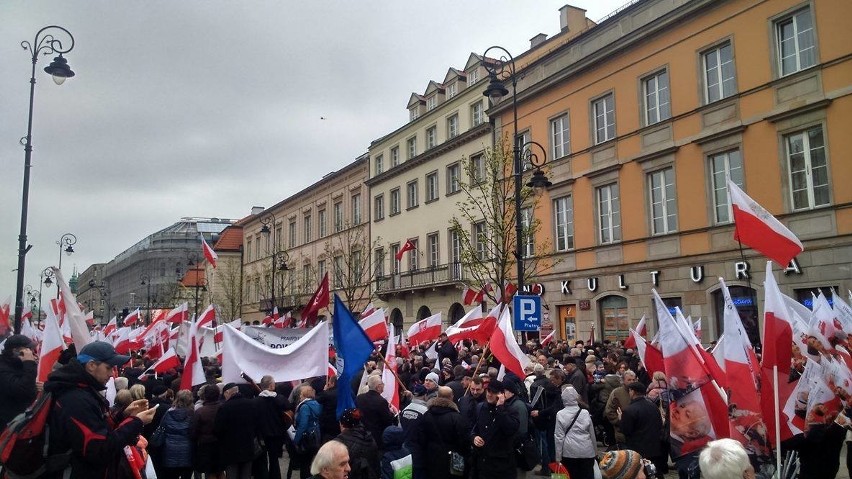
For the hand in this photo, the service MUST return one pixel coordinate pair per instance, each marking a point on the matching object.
(478, 441)
(618, 411)
(534, 413)
(39, 386)
(26, 354)
(136, 407)
(147, 415)
(501, 399)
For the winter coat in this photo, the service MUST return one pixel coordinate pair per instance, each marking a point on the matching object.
(17, 387)
(498, 427)
(468, 406)
(518, 404)
(202, 423)
(620, 398)
(328, 418)
(442, 429)
(270, 413)
(80, 421)
(642, 427)
(410, 416)
(364, 456)
(548, 404)
(602, 390)
(579, 441)
(393, 438)
(178, 445)
(307, 418)
(375, 414)
(236, 429)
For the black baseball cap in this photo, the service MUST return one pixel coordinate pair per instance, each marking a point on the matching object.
(103, 352)
(18, 341)
(496, 386)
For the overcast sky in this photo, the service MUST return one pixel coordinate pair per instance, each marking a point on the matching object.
(207, 108)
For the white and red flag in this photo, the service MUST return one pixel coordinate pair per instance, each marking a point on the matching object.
(207, 318)
(209, 254)
(375, 326)
(370, 309)
(318, 301)
(696, 328)
(167, 361)
(133, 318)
(408, 246)
(178, 314)
(641, 329)
(650, 356)
(505, 347)
(777, 327)
(193, 373)
(547, 339)
(761, 231)
(391, 391)
(472, 296)
(5, 316)
(280, 322)
(52, 346)
(507, 293)
(425, 330)
(468, 326)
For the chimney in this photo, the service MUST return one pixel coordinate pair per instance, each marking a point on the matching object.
(256, 210)
(572, 19)
(537, 40)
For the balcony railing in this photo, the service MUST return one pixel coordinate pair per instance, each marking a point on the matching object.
(443, 274)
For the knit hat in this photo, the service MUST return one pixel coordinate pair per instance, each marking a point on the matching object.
(419, 390)
(350, 418)
(432, 377)
(622, 464)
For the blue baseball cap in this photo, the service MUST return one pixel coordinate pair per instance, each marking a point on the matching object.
(102, 352)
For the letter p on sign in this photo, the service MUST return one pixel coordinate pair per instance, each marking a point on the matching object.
(527, 311)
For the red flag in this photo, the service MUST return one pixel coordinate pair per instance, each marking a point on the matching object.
(509, 290)
(408, 246)
(193, 373)
(641, 329)
(505, 347)
(761, 231)
(167, 361)
(375, 326)
(132, 318)
(425, 330)
(110, 327)
(178, 315)
(317, 302)
(211, 255)
(547, 339)
(207, 317)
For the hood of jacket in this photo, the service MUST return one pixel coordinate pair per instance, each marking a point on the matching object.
(569, 396)
(440, 405)
(71, 376)
(612, 380)
(393, 437)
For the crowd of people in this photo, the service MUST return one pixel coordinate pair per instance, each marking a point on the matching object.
(458, 417)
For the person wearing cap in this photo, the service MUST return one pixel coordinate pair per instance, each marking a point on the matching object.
(442, 430)
(431, 382)
(79, 419)
(235, 427)
(574, 437)
(622, 464)
(18, 370)
(642, 426)
(493, 436)
(364, 455)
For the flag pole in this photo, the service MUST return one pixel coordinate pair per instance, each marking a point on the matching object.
(777, 418)
(482, 358)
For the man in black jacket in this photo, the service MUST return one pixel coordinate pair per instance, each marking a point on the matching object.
(493, 436)
(270, 410)
(642, 426)
(80, 422)
(474, 396)
(375, 410)
(442, 430)
(236, 428)
(18, 369)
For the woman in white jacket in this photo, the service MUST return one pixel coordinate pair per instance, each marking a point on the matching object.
(575, 437)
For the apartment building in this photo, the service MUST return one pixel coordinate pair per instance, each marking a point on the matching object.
(644, 116)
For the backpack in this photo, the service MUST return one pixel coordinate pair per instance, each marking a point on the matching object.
(24, 442)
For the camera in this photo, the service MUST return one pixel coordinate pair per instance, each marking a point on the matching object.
(649, 469)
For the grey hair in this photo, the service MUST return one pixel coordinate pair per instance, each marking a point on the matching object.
(723, 458)
(325, 456)
(373, 382)
(629, 373)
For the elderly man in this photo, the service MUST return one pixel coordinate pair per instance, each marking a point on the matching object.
(331, 461)
(375, 410)
(643, 427)
(618, 399)
(725, 459)
(18, 370)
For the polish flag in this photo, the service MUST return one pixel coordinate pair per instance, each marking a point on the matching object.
(272, 318)
(167, 361)
(777, 327)
(467, 326)
(650, 356)
(90, 318)
(375, 326)
(641, 329)
(471, 296)
(193, 373)
(505, 347)
(509, 290)
(178, 315)
(547, 339)
(425, 330)
(132, 318)
(408, 246)
(370, 309)
(696, 327)
(211, 255)
(207, 317)
(218, 335)
(110, 327)
(391, 391)
(5, 315)
(282, 321)
(761, 231)
(52, 346)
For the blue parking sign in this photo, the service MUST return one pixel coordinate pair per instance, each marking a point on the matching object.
(527, 313)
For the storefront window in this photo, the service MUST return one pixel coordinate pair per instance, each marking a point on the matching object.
(745, 300)
(568, 321)
(616, 325)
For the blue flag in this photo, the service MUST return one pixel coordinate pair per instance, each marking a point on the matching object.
(354, 347)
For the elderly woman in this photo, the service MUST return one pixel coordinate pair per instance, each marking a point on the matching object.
(574, 437)
(307, 426)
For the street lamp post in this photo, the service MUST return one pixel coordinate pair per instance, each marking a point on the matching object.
(47, 274)
(44, 43)
(68, 240)
(505, 67)
(146, 281)
(278, 263)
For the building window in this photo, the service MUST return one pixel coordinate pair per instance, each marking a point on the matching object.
(453, 126)
(357, 268)
(413, 195)
(477, 114)
(455, 254)
(338, 272)
(663, 201)
(412, 147)
(722, 166)
(394, 250)
(413, 113)
(338, 216)
(413, 257)
(808, 169)
(522, 144)
(394, 153)
(603, 114)
(306, 278)
(745, 300)
(616, 323)
(321, 269)
(249, 243)
(257, 293)
(480, 238)
(379, 203)
(257, 246)
(560, 137)
(291, 234)
(432, 244)
(452, 89)
(379, 164)
(794, 37)
(719, 73)
(432, 186)
(453, 178)
(431, 102)
(472, 77)
(477, 168)
(321, 223)
(380, 262)
(655, 89)
(563, 210)
(278, 237)
(609, 214)
(529, 239)
(431, 137)
(394, 202)
(356, 209)
(307, 228)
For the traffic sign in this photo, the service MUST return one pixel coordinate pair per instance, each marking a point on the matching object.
(527, 312)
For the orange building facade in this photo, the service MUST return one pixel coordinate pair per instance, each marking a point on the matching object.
(644, 116)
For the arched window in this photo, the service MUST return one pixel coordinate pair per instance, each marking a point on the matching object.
(614, 319)
(423, 313)
(396, 319)
(456, 313)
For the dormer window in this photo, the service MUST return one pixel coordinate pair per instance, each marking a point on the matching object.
(472, 77)
(413, 114)
(452, 89)
(432, 102)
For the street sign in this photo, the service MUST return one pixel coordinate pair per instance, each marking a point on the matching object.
(527, 311)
